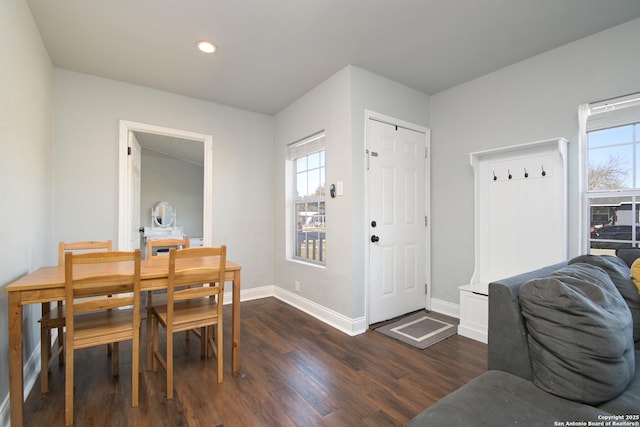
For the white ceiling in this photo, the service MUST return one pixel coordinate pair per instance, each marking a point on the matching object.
(271, 52)
(187, 150)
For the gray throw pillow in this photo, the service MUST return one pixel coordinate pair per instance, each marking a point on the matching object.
(620, 275)
(579, 333)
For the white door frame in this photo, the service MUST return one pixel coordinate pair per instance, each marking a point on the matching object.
(124, 211)
(372, 115)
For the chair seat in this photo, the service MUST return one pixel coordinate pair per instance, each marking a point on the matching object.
(108, 326)
(188, 314)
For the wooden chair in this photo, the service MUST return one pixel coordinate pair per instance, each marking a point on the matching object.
(160, 297)
(194, 300)
(166, 243)
(54, 319)
(101, 311)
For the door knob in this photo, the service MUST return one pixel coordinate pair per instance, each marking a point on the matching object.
(374, 238)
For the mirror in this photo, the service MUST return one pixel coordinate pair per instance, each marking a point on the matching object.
(163, 215)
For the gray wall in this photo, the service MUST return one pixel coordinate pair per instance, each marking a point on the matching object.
(338, 107)
(533, 100)
(175, 181)
(85, 164)
(25, 165)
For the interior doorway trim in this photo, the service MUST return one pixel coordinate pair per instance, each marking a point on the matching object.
(124, 194)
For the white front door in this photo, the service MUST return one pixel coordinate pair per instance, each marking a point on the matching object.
(397, 224)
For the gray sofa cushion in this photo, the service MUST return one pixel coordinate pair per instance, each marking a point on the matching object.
(620, 275)
(580, 334)
(627, 403)
(497, 398)
(628, 255)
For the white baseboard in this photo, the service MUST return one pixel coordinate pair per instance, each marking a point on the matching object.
(445, 307)
(342, 323)
(250, 294)
(473, 333)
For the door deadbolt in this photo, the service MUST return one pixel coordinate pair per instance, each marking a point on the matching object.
(373, 224)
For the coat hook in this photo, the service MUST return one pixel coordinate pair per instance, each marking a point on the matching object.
(509, 172)
(495, 178)
(544, 173)
(526, 174)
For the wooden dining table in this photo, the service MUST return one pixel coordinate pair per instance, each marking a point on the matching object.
(46, 284)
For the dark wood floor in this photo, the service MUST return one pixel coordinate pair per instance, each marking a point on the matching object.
(295, 371)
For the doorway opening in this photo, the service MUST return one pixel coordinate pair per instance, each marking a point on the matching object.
(128, 194)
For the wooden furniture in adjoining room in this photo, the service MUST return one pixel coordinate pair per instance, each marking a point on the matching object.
(101, 309)
(194, 300)
(165, 243)
(47, 284)
(160, 299)
(54, 319)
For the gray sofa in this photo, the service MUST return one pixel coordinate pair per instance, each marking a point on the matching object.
(563, 350)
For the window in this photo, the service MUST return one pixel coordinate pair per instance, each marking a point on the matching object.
(610, 132)
(308, 172)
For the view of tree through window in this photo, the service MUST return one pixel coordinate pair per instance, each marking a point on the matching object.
(613, 187)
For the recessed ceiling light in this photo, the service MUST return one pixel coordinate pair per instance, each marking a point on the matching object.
(206, 47)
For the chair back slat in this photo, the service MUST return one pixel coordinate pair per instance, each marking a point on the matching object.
(199, 292)
(90, 245)
(211, 276)
(121, 273)
(103, 304)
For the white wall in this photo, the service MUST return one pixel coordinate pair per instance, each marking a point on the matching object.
(25, 165)
(85, 137)
(338, 107)
(175, 181)
(533, 100)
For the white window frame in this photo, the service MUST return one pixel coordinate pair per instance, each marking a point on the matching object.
(601, 115)
(299, 149)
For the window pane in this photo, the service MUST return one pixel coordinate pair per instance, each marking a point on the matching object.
(611, 168)
(301, 185)
(637, 153)
(314, 182)
(301, 164)
(309, 174)
(322, 183)
(614, 224)
(314, 160)
(604, 137)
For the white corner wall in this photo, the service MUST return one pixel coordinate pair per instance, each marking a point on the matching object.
(25, 169)
(533, 100)
(337, 106)
(85, 154)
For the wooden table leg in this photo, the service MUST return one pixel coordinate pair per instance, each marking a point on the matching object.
(16, 380)
(235, 324)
